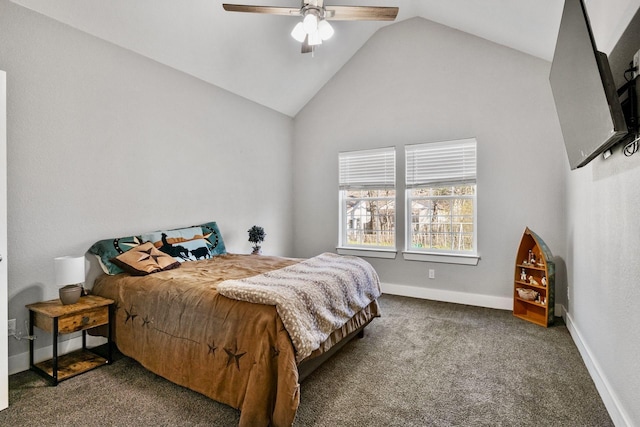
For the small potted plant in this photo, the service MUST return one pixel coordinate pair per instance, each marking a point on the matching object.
(256, 236)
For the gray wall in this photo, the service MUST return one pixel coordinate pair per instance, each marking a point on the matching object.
(418, 81)
(105, 143)
(603, 241)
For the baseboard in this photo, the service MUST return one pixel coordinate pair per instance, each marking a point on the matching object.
(501, 303)
(617, 413)
(20, 362)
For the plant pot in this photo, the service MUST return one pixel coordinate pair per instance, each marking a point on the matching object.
(70, 294)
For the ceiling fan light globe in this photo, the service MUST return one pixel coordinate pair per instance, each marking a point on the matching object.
(325, 30)
(315, 39)
(310, 23)
(298, 32)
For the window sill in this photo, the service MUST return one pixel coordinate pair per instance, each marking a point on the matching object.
(441, 258)
(370, 253)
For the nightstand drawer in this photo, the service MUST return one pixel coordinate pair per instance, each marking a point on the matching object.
(74, 322)
(85, 320)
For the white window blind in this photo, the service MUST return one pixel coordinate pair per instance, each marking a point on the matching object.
(368, 169)
(441, 163)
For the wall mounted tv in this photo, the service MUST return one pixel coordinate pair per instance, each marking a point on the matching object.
(590, 114)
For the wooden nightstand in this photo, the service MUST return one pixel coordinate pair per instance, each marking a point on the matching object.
(54, 317)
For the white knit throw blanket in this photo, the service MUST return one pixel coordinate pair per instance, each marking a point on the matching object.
(313, 297)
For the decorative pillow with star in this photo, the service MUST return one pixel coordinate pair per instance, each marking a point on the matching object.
(145, 259)
(107, 249)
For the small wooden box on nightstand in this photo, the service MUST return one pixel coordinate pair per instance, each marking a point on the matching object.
(54, 317)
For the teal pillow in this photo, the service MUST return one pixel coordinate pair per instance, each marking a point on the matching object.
(107, 249)
(212, 235)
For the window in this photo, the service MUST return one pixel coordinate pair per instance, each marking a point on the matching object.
(367, 199)
(441, 197)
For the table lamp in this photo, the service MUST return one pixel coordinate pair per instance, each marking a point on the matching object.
(70, 274)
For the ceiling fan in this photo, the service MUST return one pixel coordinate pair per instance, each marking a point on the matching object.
(314, 28)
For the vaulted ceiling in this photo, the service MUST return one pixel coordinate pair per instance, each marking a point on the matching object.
(254, 56)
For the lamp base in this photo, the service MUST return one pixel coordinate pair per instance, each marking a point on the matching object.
(70, 294)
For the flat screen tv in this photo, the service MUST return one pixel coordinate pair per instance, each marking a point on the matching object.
(589, 111)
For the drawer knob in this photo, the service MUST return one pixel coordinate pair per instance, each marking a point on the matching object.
(85, 320)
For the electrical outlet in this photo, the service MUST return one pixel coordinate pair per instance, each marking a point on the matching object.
(432, 273)
(12, 326)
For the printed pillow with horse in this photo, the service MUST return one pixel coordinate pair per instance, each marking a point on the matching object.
(184, 244)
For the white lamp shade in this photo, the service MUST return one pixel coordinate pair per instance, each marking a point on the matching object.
(310, 23)
(314, 39)
(298, 32)
(69, 270)
(325, 29)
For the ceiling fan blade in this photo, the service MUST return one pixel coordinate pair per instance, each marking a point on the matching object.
(272, 10)
(361, 13)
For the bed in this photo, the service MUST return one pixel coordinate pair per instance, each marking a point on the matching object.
(214, 324)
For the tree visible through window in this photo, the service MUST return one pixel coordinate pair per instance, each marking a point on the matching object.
(370, 216)
(442, 218)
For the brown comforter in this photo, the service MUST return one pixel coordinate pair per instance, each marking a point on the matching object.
(177, 325)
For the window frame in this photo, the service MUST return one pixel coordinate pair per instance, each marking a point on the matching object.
(462, 172)
(373, 169)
